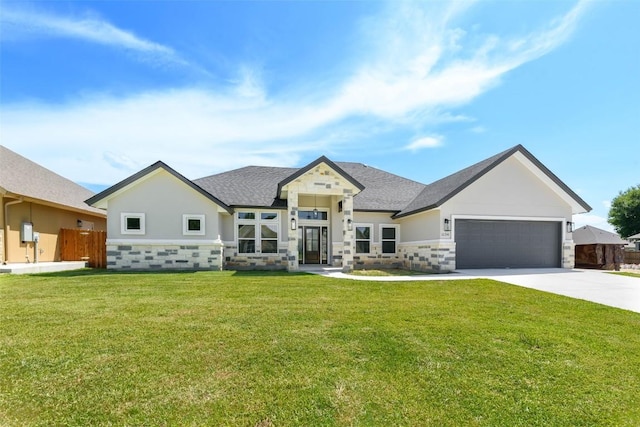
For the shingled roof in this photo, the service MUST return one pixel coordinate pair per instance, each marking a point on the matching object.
(589, 235)
(438, 192)
(259, 186)
(256, 186)
(20, 177)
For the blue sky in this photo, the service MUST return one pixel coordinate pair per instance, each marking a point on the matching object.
(96, 91)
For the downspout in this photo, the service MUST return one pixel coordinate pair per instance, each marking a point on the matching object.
(6, 227)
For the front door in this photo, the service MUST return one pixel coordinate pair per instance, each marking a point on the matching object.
(312, 245)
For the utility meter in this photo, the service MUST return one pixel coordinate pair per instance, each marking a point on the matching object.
(26, 232)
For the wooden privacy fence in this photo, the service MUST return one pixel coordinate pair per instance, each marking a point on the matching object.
(84, 245)
(632, 257)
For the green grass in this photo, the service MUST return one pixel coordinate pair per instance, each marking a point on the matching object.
(625, 273)
(269, 349)
(386, 272)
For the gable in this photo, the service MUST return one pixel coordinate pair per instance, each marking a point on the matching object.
(322, 177)
(102, 199)
(437, 193)
(511, 188)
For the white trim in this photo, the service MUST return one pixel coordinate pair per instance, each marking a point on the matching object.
(123, 223)
(561, 220)
(258, 222)
(381, 241)
(355, 238)
(185, 225)
(154, 242)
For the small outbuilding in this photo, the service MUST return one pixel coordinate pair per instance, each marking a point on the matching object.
(597, 248)
(635, 239)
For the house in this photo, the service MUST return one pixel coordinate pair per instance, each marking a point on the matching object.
(635, 239)
(597, 248)
(506, 211)
(37, 203)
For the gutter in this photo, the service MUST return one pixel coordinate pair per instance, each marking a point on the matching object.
(6, 227)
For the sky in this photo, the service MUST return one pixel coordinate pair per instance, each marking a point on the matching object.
(97, 90)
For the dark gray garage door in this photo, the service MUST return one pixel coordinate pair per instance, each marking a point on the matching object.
(502, 244)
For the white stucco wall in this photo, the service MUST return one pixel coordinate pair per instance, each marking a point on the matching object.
(420, 227)
(510, 189)
(163, 199)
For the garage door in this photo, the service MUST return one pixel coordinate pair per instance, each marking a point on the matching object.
(507, 244)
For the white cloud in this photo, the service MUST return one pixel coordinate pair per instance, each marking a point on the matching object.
(418, 67)
(425, 142)
(29, 23)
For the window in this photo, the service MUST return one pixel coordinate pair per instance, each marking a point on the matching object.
(269, 242)
(193, 225)
(363, 239)
(318, 215)
(258, 232)
(246, 239)
(132, 223)
(388, 237)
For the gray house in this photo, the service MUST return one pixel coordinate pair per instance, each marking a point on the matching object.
(506, 211)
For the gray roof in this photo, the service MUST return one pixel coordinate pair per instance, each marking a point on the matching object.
(260, 186)
(634, 237)
(589, 235)
(257, 186)
(22, 177)
(438, 192)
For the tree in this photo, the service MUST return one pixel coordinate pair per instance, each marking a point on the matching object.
(624, 214)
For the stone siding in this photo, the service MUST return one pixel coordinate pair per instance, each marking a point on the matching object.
(568, 254)
(377, 259)
(235, 261)
(164, 257)
(433, 257)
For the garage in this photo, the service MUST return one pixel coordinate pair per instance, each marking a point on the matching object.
(507, 244)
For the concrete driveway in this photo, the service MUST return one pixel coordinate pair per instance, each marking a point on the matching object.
(590, 285)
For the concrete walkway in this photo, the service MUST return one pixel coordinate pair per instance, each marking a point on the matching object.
(590, 285)
(41, 267)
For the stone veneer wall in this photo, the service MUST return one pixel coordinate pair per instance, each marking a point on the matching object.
(436, 256)
(164, 257)
(235, 261)
(377, 259)
(568, 254)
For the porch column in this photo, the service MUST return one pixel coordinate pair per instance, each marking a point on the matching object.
(292, 247)
(349, 242)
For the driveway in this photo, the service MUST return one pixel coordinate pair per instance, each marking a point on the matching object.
(590, 285)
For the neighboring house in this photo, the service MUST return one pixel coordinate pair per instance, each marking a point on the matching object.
(506, 211)
(636, 240)
(44, 202)
(597, 248)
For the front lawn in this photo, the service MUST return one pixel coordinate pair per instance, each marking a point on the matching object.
(270, 349)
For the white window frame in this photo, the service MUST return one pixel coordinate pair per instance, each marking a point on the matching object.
(258, 222)
(185, 225)
(269, 222)
(123, 223)
(382, 240)
(356, 240)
